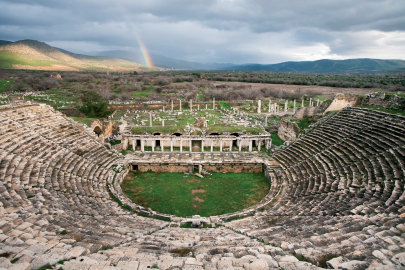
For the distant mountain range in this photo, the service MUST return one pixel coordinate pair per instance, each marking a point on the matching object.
(36, 55)
(351, 66)
(32, 54)
(163, 61)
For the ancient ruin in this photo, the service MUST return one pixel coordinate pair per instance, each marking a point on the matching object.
(336, 198)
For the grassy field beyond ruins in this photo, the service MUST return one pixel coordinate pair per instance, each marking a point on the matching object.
(172, 193)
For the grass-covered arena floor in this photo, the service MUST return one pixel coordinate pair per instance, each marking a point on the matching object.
(216, 194)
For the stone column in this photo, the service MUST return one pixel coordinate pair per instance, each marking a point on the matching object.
(125, 144)
(213, 103)
(310, 102)
(191, 105)
(153, 145)
(220, 146)
(240, 145)
(199, 168)
(150, 119)
(250, 145)
(171, 145)
(265, 121)
(285, 106)
(162, 146)
(317, 103)
(269, 105)
(230, 145)
(163, 108)
(181, 145)
(163, 122)
(259, 104)
(198, 107)
(302, 104)
(259, 145)
(202, 145)
(212, 146)
(172, 104)
(133, 145)
(206, 106)
(180, 105)
(191, 147)
(142, 146)
(294, 107)
(270, 143)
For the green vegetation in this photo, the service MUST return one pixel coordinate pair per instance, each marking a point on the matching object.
(7, 60)
(172, 193)
(224, 128)
(396, 110)
(83, 120)
(94, 106)
(4, 84)
(276, 140)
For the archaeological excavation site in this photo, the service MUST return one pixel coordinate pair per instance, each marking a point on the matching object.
(201, 182)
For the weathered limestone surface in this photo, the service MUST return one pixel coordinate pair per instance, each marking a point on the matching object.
(336, 199)
(288, 131)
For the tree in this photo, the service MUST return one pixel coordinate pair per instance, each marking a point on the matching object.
(94, 105)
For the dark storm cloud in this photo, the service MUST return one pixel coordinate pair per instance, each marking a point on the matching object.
(209, 30)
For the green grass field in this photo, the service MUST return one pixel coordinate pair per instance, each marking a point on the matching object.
(7, 60)
(276, 140)
(172, 193)
(4, 84)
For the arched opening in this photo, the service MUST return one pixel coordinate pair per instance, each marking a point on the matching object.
(156, 134)
(97, 130)
(177, 134)
(214, 134)
(234, 134)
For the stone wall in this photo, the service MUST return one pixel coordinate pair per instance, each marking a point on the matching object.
(107, 128)
(306, 112)
(342, 101)
(288, 131)
(222, 168)
(235, 168)
(164, 167)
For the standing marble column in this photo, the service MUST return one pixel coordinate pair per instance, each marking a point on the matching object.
(198, 107)
(191, 105)
(163, 122)
(153, 146)
(191, 148)
(142, 145)
(172, 104)
(317, 103)
(294, 107)
(181, 145)
(269, 105)
(302, 104)
(212, 146)
(206, 106)
(259, 145)
(171, 145)
(285, 106)
(240, 145)
(259, 104)
(230, 145)
(162, 146)
(310, 102)
(133, 145)
(220, 146)
(180, 104)
(202, 145)
(250, 145)
(150, 119)
(265, 121)
(163, 108)
(213, 103)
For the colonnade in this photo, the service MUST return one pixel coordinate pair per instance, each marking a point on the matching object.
(221, 142)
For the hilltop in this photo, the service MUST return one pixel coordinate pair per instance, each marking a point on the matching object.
(351, 66)
(36, 55)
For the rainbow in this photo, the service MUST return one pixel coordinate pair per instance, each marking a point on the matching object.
(144, 51)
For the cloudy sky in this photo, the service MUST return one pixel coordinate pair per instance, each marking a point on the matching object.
(232, 31)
